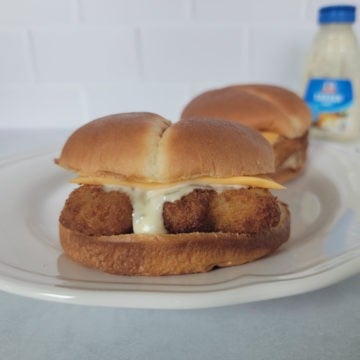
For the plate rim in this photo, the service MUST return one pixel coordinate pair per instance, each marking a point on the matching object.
(299, 284)
(348, 264)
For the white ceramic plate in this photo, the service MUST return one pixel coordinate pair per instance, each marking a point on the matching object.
(323, 249)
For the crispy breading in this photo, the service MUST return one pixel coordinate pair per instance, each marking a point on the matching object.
(244, 210)
(190, 213)
(92, 211)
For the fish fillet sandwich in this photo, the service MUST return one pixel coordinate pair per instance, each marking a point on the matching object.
(281, 116)
(161, 198)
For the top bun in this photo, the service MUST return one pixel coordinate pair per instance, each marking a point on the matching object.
(263, 107)
(145, 147)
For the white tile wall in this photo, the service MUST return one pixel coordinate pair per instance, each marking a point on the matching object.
(41, 105)
(277, 54)
(37, 12)
(245, 11)
(15, 64)
(84, 55)
(162, 98)
(192, 53)
(64, 62)
(134, 11)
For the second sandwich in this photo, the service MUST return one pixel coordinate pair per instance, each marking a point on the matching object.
(280, 115)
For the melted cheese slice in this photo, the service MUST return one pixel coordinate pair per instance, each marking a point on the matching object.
(271, 137)
(253, 181)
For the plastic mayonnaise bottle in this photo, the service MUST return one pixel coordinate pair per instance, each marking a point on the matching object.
(332, 76)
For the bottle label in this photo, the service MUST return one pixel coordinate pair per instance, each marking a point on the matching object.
(330, 101)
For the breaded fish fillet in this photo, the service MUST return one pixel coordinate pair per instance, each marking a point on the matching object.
(190, 213)
(93, 211)
(244, 211)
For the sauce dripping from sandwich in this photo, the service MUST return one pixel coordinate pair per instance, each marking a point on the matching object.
(148, 205)
(148, 198)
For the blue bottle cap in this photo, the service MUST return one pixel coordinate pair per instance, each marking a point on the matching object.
(337, 14)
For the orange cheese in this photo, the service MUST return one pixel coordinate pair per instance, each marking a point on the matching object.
(253, 181)
(271, 137)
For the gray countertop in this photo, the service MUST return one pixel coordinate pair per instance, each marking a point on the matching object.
(324, 324)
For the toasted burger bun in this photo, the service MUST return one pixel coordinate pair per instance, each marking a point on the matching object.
(278, 113)
(172, 254)
(146, 149)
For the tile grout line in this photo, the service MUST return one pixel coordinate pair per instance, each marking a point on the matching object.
(139, 53)
(246, 47)
(35, 73)
(84, 103)
(78, 11)
(191, 10)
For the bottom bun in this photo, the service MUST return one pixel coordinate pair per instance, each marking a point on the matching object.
(172, 254)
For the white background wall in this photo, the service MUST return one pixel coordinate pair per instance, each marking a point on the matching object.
(64, 62)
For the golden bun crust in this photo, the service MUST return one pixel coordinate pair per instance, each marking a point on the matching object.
(263, 107)
(146, 147)
(207, 147)
(119, 144)
(172, 254)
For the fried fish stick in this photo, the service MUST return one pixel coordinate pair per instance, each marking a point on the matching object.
(93, 211)
(244, 211)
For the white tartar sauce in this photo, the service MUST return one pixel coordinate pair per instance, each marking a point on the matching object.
(148, 204)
